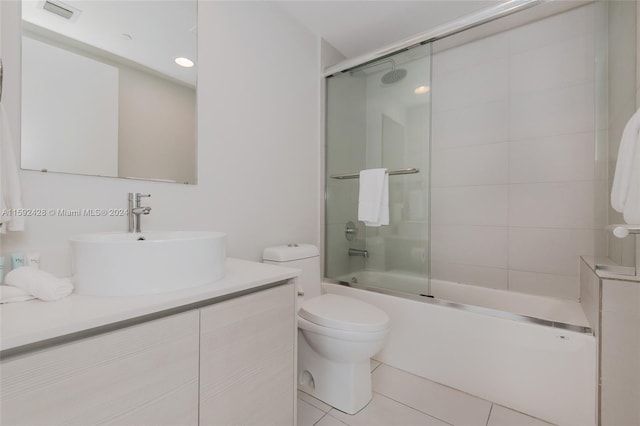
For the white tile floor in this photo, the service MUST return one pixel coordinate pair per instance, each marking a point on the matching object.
(402, 399)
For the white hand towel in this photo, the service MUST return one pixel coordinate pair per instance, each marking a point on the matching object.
(41, 284)
(373, 199)
(625, 192)
(10, 294)
(10, 194)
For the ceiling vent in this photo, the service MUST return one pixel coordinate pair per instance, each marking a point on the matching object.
(61, 9)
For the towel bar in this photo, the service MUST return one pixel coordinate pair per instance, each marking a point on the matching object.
(621, 231)
(409, 171)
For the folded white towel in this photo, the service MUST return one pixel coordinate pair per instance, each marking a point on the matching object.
(41, 284)
(625, 192)
(373, 199)
(10, 294)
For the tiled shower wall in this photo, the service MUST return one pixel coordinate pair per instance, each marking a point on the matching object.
(622, 104)
(513, 157)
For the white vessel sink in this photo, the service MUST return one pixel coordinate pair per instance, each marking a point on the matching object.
(127, 264)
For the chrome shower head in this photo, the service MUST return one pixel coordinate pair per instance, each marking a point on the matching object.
(395, 75)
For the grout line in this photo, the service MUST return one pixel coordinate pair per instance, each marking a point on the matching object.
(323, 416)
(489, 416)
(438, 383)
(526, 415)
(310, 403)
(413, 408)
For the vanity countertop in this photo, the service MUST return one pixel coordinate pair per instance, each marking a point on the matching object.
(34, 321)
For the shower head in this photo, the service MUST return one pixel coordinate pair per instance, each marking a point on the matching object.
(395, 75)
(390, 77)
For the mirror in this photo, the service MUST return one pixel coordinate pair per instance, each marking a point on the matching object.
(102, 92)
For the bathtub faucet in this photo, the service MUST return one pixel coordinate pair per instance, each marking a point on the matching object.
(358, 252)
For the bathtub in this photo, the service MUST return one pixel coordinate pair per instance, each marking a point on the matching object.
(534, 354)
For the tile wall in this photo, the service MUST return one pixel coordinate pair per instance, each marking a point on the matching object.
(513, 153)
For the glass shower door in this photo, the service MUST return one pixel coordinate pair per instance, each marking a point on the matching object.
(378, 116)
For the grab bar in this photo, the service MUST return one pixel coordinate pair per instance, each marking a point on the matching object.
(408, 171)
(621, 231)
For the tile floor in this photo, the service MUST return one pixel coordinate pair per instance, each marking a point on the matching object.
(402, 399)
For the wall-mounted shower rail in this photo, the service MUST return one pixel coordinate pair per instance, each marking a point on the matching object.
(408, 171)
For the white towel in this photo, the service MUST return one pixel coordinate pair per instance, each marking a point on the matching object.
(625, 192)
(10, 294)
(10, 194)
(38, 283)
(373, 199)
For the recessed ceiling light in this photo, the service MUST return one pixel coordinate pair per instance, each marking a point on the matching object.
(184, 62)
(421, 90)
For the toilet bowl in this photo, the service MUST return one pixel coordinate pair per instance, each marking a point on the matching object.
(337, 335)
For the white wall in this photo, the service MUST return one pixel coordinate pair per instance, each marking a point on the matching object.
(88, 124)
(513, 181)
(157, 131)
(258, 143)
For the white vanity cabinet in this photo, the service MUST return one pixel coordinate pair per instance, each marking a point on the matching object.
(215, 363)
(143, 374)
(248, 358)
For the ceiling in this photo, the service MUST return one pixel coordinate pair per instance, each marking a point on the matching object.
(150, 33)
(358, 27)
(155, 32)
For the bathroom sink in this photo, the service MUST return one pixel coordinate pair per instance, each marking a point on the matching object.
(127, 264)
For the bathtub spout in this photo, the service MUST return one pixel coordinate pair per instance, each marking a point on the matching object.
(358, 252)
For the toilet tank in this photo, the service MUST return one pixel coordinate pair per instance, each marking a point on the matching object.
(305, 257)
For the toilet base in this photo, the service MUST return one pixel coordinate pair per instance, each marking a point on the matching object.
(344, 386)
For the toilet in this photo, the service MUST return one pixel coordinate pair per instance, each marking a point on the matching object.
(337, 335)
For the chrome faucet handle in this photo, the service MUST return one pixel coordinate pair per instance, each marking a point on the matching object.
(139, 195)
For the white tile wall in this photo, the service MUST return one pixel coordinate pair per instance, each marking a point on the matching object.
(590, 296)
(469, 245)
(513, 170)
(551, 251)
(470, 274)
(622, 102)
(559, 158)
(562, 64)
(564, 286)
(549, 31)
(470, 86)
(476, 52)
(472, 125)
(552, 112)
(470, 205)
(475, 165)
(552, 205)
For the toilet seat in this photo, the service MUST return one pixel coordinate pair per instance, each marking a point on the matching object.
(343, 313)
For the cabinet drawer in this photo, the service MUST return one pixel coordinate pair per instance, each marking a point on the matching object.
(145, 374)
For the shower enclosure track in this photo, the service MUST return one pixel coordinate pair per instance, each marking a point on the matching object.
(409, 171)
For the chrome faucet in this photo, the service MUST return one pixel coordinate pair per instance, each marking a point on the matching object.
(358, 252)
(135, 210)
